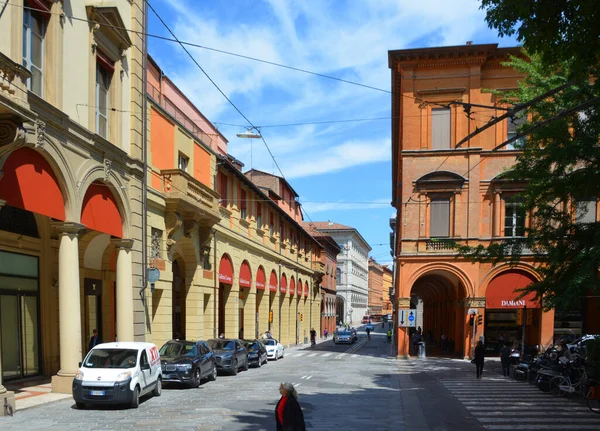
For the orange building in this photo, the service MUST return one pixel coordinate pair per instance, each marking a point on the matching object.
(444, 192)
(386, 304)
(376, 290)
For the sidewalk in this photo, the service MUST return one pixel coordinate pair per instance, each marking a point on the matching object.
(33, 393)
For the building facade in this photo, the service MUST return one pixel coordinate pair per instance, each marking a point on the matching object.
(232, 255)
(352, 273)
(327, 283)
(388, 277)
(376, 288)
(70, 189)
(445, 191)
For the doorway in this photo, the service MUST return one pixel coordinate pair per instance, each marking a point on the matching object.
(178, 305)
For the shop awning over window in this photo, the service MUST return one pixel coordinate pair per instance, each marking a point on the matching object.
(292, 286)
(273, 282)
(245, 275)
(225, 270)
(260, 278)
(283, 284)
(502, 292)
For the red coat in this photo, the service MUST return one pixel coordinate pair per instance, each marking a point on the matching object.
(293, 419)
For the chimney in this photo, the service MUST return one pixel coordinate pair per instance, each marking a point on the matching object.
(469, 42)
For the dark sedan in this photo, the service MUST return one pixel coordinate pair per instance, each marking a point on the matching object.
(187, 362)
(257, 352)
(230, 355)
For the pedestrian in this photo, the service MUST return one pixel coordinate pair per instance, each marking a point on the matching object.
(479, 355)
(389, 336)
(415, 341)
(505, 359)
(313, 337)
(288, 413)
(221, 336)
(325, 332)
(94, 340)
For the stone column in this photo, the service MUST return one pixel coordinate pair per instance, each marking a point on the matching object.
(124, 289)
(4, 394)
(69, 306)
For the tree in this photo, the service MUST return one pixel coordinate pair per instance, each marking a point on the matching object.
(560, 166)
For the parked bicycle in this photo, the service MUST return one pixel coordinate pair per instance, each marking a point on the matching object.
(593, 396)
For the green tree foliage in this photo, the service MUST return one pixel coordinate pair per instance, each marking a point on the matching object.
(560, 169)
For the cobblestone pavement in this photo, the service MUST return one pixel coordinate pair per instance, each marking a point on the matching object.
(357, 387)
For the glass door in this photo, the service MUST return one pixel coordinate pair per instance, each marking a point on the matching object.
(11, 353)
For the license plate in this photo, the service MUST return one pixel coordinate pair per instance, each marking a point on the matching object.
(97, 393)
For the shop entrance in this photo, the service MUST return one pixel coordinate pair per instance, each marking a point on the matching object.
(92, 307)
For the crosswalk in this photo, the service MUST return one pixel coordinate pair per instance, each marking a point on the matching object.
(326, 355)
(499, 403)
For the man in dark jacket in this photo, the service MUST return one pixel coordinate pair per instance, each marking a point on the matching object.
(479, 355)
(505, 359)
(288, 414)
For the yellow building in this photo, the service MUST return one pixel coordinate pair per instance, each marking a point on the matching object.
(71, 175)
(232, 256)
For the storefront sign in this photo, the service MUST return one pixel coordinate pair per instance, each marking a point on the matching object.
(512, 303)
(92, 286)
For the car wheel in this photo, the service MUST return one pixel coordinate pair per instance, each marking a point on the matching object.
(282, 353)
(158, 388)
(234, 369)
(259, 362)
(80, 406)
(213, 375)
(275, 356)
(266, 359)
(135, 400)
(197, 379)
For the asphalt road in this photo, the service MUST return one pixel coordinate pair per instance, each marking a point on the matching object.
(357, 387)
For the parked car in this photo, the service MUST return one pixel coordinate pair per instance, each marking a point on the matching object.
(369, 326)
(354, 334)
(118, 373)
(274, 349)
(257, 352)
(343, 337)
(366, 319)
(230, 355)
(579, 345)
(187, 362)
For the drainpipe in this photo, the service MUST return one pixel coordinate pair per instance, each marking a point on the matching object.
(216, 275)
(145, 165)
(279, 305)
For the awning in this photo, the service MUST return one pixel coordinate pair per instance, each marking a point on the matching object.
(225, 270)
(502, 292)
(306, 288)
(292, 286)
(245, 275)
(100, 210)
(273, 282)
(260, 278)
(283, 284)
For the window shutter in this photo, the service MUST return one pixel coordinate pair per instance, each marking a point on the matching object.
(439, 221)
(440, 128)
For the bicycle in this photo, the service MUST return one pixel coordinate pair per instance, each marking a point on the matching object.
(562, 384)
(592, 396)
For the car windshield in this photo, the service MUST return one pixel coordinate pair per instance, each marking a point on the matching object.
(111, 358)
(269, 342)
(344, 333)
(173, 349)
(251, 345)
(222, 344)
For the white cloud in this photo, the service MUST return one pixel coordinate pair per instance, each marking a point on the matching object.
(317, 207)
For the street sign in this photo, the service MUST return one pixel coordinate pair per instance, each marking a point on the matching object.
(472, 311)
(407, 318)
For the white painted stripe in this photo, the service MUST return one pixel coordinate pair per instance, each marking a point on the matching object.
(545, 427)
(297, 355)
(340, 356)
(303, 377)
(538, 421)
(312, 354)
(354, 356)
(326, 354)
(309, 377)
(535, 412)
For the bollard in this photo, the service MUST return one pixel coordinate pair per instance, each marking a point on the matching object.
(422, 350)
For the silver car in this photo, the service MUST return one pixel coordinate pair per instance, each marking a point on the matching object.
(343, 337)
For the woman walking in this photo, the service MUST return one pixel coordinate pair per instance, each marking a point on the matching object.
(288, 413)
(479, 354)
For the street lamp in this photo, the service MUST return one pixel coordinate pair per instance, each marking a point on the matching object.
(249, 134)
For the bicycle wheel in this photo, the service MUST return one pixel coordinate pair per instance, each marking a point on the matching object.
(592, 395)
(555, 386)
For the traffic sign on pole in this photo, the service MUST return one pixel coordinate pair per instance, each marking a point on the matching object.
(407, 318)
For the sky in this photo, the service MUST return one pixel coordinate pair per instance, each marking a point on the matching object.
(340, 169)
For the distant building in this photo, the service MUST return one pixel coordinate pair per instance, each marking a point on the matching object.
(375, 288)
(352, 273)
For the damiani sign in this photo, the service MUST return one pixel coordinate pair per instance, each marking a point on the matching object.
(513, 303)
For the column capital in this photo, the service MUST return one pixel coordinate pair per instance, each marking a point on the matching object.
(120, 243)
(67, 227)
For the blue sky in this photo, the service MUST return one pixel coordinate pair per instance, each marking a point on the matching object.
(342, 171)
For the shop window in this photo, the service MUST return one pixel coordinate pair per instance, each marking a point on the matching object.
(34, 28)
(514, 217)
(586, 211)
(243, 212)
(439, 217)
(440, 128)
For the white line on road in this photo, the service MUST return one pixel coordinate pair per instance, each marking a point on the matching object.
(312, 354)
(340, 356)
(326, 354)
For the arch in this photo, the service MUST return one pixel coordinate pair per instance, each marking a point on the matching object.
(273, 281)
(100, 211)
(260, 278)
(442, 266)
(225, 270)
(440, 178)
(503, 290)
(292, 286)
(521, 266)
(96, 173)
(95, 250)
(30, 183)
(283, 283)
(245, 279)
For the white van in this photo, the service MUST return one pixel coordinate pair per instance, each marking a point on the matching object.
(118, 373)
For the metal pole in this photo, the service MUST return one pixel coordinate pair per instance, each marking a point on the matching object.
(474, 330)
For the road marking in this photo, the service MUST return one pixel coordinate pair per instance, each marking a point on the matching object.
(326, 354)
(354, 356)
(340, 356)
(297, 354)
(312, 354)
(309, 377)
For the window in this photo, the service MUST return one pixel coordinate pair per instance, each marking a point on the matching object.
(243, 212)
(258, 216)
(223, 188)
(439, 217)
(156, 242)
(512, 126)
(271, 222)
(440, 128)
(104, 71)
(585, 211)
(33, 48)
(182, 162)
(514, 217)
(338, 276)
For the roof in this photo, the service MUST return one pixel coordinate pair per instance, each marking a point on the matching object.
(276, 176)
(124, 345)
(329, 226)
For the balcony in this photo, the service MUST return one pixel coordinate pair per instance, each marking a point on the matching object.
(439, 245)
(318, 266)
(189, 197)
